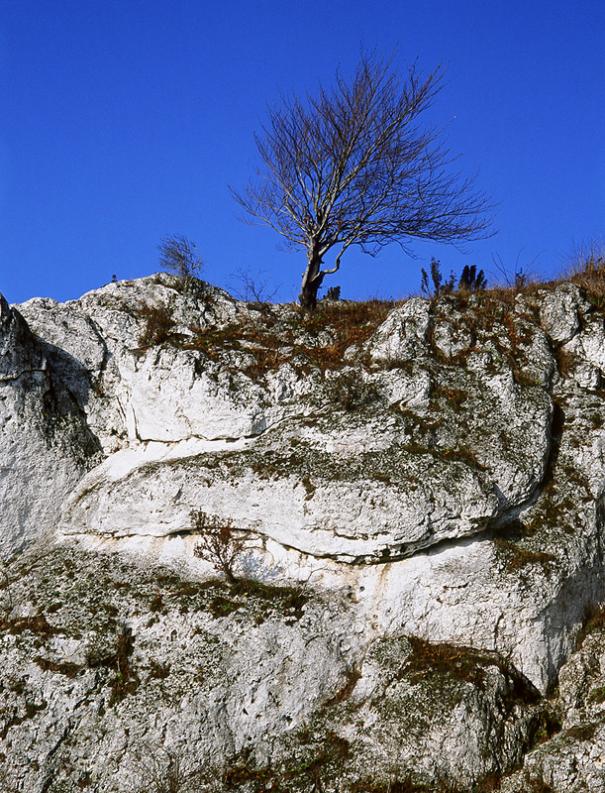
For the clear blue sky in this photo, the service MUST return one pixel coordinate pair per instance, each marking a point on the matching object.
(124, 121)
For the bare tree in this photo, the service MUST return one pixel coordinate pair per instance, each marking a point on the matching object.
(350, 167)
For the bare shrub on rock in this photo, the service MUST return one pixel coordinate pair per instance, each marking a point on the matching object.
(218, 545)
(178, 256)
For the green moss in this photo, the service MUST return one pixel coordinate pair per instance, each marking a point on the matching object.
(581, 732)
(597, 695)
(221, 606)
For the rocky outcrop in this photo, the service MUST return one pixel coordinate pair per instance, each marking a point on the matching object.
(46, 443)
(416, 489)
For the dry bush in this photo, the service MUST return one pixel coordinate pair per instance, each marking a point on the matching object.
(349, 323)
(350, 392)
(178, 256)
(254, 288)
(588, 272)
(346, 323)
(218, 544)
(159, 325)
(332, 293)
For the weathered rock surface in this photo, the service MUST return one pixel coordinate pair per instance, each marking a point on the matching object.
(46, 443)
(110, 667)
(419, 486)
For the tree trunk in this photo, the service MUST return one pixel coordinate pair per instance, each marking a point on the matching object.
(311, 282)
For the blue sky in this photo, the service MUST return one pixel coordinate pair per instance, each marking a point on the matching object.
(124, 122)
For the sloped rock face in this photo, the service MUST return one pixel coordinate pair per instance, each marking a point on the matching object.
(112, 671)
(427, 478)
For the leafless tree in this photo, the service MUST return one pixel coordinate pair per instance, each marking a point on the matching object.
(350, 167)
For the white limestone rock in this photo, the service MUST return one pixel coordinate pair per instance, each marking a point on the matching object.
(573, 759)
(560, 312)
(45, 442)
(402, 336)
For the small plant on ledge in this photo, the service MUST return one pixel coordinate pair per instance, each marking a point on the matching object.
(218, 544)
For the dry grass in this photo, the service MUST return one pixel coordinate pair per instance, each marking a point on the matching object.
(159, 325)
(36, 624)
(516, 557)
(343, 693)
(272, 345)
(462, 663)
(67, 668)
(589, 274)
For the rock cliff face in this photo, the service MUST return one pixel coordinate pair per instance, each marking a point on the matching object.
(414, 496)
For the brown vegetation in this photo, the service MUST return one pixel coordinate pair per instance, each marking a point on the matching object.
(159, 325)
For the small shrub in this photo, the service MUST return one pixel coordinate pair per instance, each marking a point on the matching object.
(115, 657)
(470, 280)
(159, 325)
(333, 293)
(351, 392)
(254, 288)
(218, 544)
(125, 681)
(177, 255)
(514, 281)
(436, 286)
